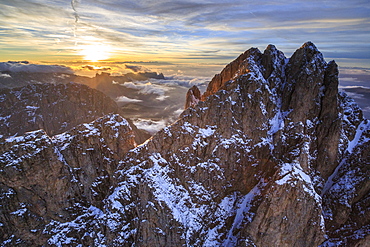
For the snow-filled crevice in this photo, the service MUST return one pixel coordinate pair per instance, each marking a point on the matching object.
(242, 214)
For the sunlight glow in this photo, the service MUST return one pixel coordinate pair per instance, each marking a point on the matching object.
(95, 52)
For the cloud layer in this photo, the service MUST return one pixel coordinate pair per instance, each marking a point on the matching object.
(38, 68)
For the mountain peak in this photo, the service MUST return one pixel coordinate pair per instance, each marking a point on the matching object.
(271, 47)
(309, 45)
(254, 63)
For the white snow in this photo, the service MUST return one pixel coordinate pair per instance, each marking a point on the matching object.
(188, 127)
(291, 173)
(242, 214)
(204, 133)
(29, 107)
(276, 123)
(360, 129)
(91, 130)
(19, 212)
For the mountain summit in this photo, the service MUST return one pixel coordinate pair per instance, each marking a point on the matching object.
(270, 155)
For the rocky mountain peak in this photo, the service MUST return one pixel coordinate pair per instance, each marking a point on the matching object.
(268, 61)
(292, 104)
(192, 97)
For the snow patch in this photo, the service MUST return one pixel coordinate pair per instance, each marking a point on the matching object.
(291, 173)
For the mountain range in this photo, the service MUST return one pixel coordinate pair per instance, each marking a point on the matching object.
(271, 154)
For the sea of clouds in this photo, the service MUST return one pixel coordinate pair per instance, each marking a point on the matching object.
(25, 66)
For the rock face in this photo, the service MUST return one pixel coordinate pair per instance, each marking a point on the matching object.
(48, 181)
(54, 108)
(271, 155)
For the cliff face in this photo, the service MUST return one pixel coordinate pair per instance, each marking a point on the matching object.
(269, 155)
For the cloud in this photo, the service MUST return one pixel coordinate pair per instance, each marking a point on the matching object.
(359, 77)
(35, 68)
(95, 68)
(89, 67)
(147, 88)
(150, 125)
(355, 95)
(177, 29)
(124, 99)
(5, 75)
(153, 126)
(171, 82)
(162, 97)
(74, 4)
(136, 68)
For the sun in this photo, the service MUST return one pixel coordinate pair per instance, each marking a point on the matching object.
(95, 52)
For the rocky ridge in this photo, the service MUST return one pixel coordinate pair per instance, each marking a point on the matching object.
(45, 180)
(55, 108)
(271, 153)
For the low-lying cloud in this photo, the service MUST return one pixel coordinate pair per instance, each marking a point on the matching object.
(150, 126)
(24, 66)
(5, 75)
(136, 68)
(124, 99)
(94, 68)
(148, 88)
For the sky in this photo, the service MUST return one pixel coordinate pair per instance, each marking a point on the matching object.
(186, 36)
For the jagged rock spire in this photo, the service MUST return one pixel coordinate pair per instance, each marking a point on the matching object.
(192, 96)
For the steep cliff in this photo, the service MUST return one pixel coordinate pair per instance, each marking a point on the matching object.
(270, 155)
